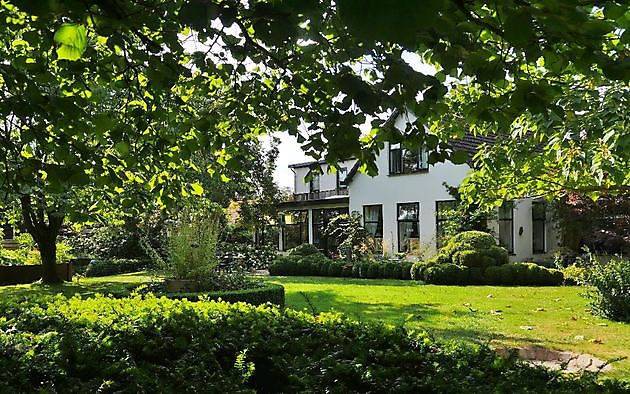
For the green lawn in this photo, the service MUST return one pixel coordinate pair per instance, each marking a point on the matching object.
(115, 284)
(552, 317)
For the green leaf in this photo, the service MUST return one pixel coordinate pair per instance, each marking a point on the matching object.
(197, 189)
(73, 40)
(459, 157)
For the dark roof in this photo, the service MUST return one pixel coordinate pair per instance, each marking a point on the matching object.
(307, 163)
(469, 143)
(341, 200)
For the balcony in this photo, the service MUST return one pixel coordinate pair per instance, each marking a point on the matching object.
(320, 195)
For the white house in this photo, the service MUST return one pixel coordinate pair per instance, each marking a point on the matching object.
(399, 206)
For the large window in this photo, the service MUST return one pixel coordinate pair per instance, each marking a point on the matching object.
(295, 229)
(443, 213)
(407, 161)
(321, 218)
(373, 220)
(408, 235)
(538, 226)
(506, 226)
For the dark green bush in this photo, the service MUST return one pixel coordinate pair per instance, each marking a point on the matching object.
(161, 345)
(305, 250)
(610, 293)
(405, 267)
(472, 249)
(473, 240)
(107, 267)
(445, 274)
(498, 254)
(524, 274)
(373, 270)
(335, 269)
(270, 292)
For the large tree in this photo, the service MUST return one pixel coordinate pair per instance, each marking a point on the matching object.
(316, 68)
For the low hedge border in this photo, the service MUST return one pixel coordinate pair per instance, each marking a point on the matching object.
(270, 292)
(148, 344)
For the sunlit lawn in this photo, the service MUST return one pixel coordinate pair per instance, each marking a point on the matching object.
(552, 317)
(116, 284)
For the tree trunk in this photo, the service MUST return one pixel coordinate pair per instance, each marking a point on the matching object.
(44, 234)
(48, 252)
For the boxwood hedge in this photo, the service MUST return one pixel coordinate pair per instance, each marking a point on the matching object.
(270, 292)
(146, 344)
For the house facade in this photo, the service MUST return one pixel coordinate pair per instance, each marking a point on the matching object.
(400, 206)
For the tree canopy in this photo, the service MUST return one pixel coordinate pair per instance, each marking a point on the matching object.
(97, 95)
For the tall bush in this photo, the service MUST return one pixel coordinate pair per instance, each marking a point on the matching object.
(610, 291)
(191, 243)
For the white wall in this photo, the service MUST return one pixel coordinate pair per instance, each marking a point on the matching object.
(427, 188)
(389, 190)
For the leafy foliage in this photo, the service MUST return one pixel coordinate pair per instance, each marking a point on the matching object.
(150, 344)
(107, 267)
(355, 242)
(610, 293)
(191, 246)
(27, 253)
(602, 226)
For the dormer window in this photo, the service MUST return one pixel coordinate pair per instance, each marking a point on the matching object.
(341, 178)
(314, 183)
(407, 161)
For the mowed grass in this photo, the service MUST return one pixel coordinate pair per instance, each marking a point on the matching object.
(550, 317)
(115, 284)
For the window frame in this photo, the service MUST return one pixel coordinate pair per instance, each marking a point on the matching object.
(324, 243)
(299, 225)
(543, 221)
(421, 154)
(378, 222)
(511, 220)
(341, 184)
(399, 221)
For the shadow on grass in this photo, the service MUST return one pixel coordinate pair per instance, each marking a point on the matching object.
(430, 317)
(84, 287)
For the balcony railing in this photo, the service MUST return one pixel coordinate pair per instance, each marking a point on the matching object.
(320, 195)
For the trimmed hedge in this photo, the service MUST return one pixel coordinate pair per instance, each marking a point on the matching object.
(315, 265)
(270, 292)
(107, 267)
(145, 344)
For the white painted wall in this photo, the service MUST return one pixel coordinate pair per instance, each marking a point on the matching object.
(427, 188)
(389, 190)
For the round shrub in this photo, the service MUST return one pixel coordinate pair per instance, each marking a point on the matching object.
(445, 274)
(472, 240)
(335, 269)
(405, 267)
(388, 270)
(324, 268)
(418, 268)
(374, 270)
(471, 258)
(498, 254)
(610, 295)
(283, 265)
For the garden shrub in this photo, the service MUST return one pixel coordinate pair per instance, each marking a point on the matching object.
(444, 274)
(418, 268)
(525, 274)
(107, 267)
(320, 265)
(270, 292)
(472, 249)
(305, 250)
(574, 274)
(146, 344)
(610, 293)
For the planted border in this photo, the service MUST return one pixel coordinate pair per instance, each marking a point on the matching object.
(270, 292)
